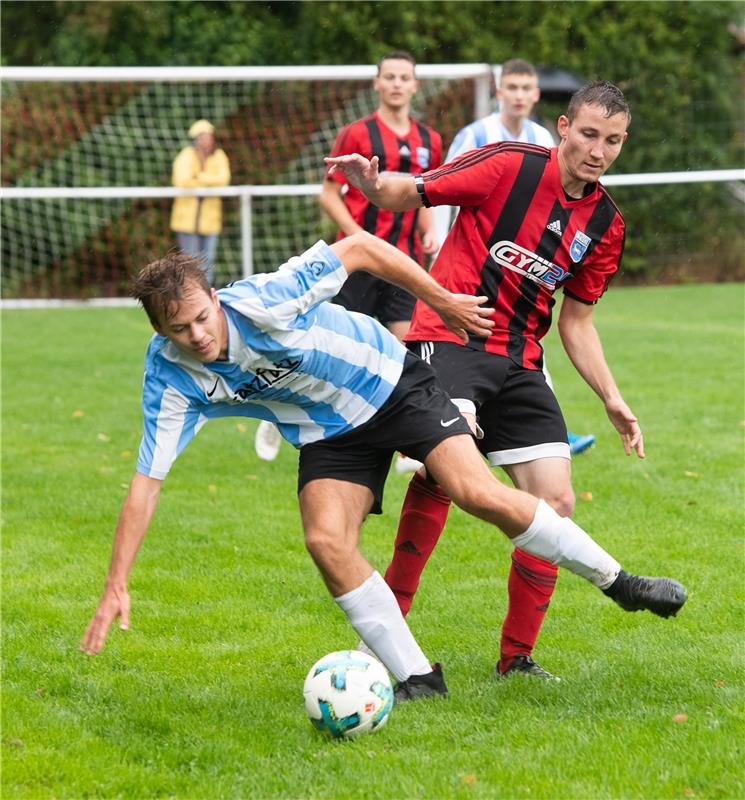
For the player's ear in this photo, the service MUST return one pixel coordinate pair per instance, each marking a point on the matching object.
(215, 297)
(562, 126)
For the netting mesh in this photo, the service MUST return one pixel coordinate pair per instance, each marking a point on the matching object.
(100, 134)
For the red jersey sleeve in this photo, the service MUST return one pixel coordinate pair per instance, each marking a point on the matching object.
(346, 143)
(591, 281)
(466, 181)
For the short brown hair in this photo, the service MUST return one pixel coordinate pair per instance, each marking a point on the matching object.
(599, 93)
(401, 55)
(518, 66)
(166, 281)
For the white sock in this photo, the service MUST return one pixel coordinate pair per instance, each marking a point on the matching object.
(561, 541)
(374, 613)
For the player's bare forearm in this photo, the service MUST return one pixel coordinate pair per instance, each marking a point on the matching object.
(333, 204)
(428, 231)
(134, 520)
(392, 192)
(584, 348)
(461, 313)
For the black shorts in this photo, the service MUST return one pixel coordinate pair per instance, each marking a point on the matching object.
(515, 407)
(368, 294)
(415, 419)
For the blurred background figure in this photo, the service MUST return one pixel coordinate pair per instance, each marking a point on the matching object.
(197, 221)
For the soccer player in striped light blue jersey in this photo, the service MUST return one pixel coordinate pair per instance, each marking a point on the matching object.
(342, 389)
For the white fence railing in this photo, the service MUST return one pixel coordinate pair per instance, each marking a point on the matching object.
(246, 193)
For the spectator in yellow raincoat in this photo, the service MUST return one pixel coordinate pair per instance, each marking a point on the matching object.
(197, 221)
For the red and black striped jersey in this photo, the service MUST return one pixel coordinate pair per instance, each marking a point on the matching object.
(419, 150)
(517, 238)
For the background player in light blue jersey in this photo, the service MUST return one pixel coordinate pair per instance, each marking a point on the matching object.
(517, 93)
(344, 391)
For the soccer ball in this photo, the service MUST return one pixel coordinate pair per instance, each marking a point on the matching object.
(348, 693)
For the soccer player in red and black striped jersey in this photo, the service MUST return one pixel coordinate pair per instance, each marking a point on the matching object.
(402, 145)
(532, 220)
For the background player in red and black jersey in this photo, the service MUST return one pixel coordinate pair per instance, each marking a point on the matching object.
(531, 220)
(401, 145)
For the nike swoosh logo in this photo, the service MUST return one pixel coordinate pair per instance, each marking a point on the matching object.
(214, 388)
(449, 422)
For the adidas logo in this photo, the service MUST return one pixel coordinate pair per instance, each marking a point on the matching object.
(555, 227)
(408, 547)
(404, 150)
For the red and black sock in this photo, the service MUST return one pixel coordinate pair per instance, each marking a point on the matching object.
(531, 583)
(423, 516)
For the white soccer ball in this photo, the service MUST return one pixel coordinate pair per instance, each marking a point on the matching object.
(348, 693)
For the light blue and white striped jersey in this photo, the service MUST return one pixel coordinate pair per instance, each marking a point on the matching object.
(312, 367)
(489, 130)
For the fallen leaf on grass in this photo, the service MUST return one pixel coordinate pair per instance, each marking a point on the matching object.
(680, 718)
(102, 437)
(241, 428)
(125, 454)
(688, 792)
(690, 474)
(212, 489)
(469, 779)
(78, 413)
(585, 496)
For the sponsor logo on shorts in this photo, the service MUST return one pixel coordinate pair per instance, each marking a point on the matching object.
(524, 262)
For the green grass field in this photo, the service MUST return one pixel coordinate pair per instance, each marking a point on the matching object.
(202, 697)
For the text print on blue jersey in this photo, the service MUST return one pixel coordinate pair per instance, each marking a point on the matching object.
(537, 269)
(264, 377)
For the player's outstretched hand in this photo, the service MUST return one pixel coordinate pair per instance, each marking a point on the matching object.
(114, 603)
(464, 314)
(627, 426)
(358, 170)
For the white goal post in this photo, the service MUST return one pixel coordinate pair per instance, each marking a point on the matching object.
(87, 156)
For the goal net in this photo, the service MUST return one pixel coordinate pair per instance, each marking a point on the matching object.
(87, 157)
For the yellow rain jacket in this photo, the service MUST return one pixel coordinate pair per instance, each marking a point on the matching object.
(202, 215)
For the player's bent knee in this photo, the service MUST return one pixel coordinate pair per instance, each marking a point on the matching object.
(324, 544)
(563, 503)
